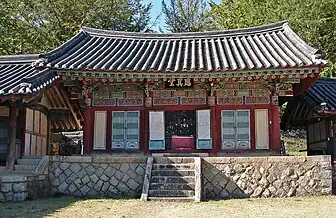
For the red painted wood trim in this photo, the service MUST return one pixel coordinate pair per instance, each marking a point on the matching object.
(213, 128)
(215, 119)
(109, 131)
(144, 131)
(270, 127)
(117, 108)
(304, 84)
(252, 129)
(276, 129)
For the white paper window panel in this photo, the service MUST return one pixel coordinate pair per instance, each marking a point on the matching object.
(99, 140)
(29, 120)
(27, 144)
(261, 129)
(156, 125)
(203, 124)
(37, 121)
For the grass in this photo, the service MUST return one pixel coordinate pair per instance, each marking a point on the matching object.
(294, 145)
(318, 206)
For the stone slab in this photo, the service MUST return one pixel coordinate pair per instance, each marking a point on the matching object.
(147, 179)
(13, 178)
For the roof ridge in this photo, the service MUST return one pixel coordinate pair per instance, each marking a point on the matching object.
(23, 59)
(234, 32)
(300, 41)
(326, 80)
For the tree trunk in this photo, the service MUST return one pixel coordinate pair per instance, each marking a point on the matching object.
(12, 134)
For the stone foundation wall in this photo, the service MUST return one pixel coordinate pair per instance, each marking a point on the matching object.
(334, 178)
(238, 177)
(103, 176)
(19, 187)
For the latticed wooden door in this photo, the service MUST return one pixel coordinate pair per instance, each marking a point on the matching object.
(236, 129)
(125, 129)
(132, 130)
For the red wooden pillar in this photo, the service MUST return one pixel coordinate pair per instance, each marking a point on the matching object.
(276, 146)
(12, 138)
(216, 125)
(87, 128)
(144, 130)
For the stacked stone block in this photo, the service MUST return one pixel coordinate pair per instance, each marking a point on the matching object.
(22, 187)
(103, 176)
(240, 177)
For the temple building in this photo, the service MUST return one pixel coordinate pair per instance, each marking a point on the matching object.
(203, 92)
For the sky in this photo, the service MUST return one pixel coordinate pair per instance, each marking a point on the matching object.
(156, 11)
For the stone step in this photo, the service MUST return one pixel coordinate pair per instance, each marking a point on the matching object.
(22, 168)
(173, 172)
(173, 160)
(172, 186)
(170, 199)
(171, 193)
(173, 179)
(173, 166)
(31, 157)
(28, 161)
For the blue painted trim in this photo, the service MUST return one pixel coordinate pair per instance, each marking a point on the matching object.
(204, 144)
(157, 145)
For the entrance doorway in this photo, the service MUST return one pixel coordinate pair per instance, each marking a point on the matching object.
(180, 130)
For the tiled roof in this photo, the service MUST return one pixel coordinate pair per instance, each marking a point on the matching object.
(18, 75)
(264, 47)
(322, 91)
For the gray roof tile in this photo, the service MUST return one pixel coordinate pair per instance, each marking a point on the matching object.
(269, 46)
(323, 90)
(19, 76)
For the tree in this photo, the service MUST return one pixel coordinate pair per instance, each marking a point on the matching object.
(185, 15)
(35, 26)
(314, 21)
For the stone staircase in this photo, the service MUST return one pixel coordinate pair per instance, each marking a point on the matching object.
(26, 164)
(172, 179)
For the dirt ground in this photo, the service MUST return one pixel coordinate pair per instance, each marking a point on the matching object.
(321, 206)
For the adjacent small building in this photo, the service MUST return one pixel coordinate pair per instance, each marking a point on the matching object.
(315, 111)
(205, 92)
(33, 105)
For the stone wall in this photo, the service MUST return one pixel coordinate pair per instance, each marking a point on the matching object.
(334, 178)
(238, 177)
(100, 176)
(21, 187)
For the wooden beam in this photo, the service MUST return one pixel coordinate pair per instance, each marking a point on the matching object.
(12, 137)
(30, 98)
(50, 104)
(70, 107)
(56, 90)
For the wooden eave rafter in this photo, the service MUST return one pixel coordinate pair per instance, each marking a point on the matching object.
(51, 100)
(63, 94)
(324, 113)
(282, 73)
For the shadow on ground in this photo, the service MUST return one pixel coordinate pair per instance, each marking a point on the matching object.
(35, 208)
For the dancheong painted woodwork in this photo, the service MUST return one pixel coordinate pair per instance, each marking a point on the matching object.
(178, 92)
